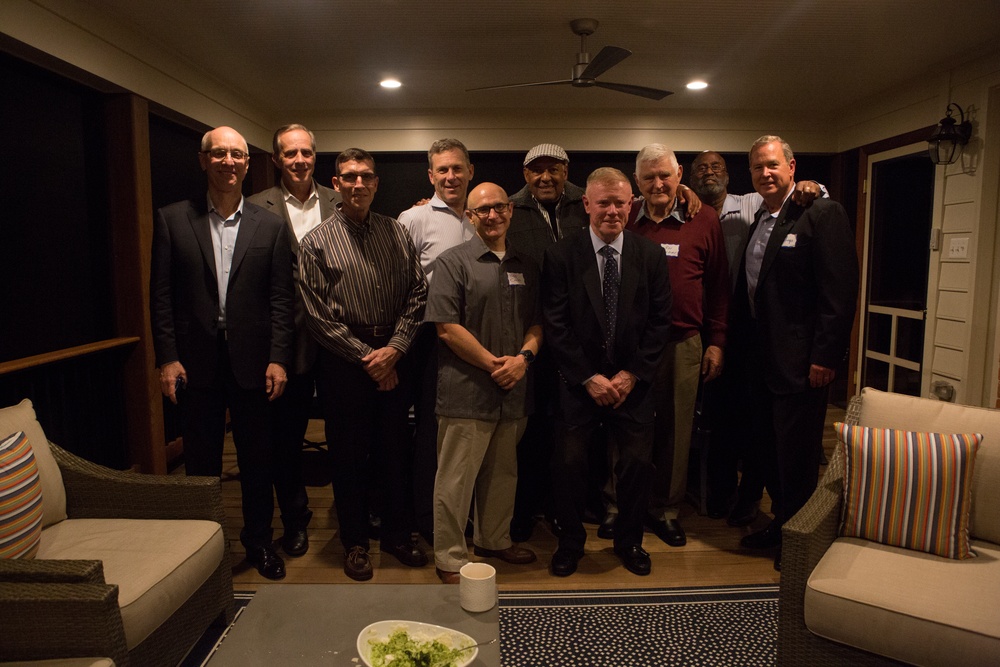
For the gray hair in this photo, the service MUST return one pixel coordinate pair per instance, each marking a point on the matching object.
(770, 138)
(655, 153)
(290, 128)
(442, 145)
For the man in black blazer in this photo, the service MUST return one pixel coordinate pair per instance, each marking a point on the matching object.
(793, 309)
(303, 204)
(221, 314)
(607, 351)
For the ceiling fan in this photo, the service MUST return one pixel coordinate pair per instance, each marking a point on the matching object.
(586, 71)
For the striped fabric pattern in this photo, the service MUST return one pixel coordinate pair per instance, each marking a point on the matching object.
(20, 499)
(909, 490)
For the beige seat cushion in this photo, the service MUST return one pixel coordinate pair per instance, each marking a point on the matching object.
(908, 605)
(21, 417)
(157, 564)
(63, 662)
(886, 410)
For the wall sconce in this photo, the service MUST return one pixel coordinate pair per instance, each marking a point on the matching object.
(945, 145)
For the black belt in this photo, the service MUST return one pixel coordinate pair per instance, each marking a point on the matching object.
(376, 330)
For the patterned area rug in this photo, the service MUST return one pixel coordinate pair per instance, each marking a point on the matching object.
(654, 627)
(734, 625)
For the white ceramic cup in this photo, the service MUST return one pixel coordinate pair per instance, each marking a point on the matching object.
(477, 589)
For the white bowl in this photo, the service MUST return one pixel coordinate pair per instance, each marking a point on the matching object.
(381, 630)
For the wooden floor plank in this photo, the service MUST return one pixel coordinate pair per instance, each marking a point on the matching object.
(712, 556)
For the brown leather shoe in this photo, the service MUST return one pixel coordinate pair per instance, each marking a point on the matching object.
(358, 564)
(407, 553)
(447, 577)
(512, 554)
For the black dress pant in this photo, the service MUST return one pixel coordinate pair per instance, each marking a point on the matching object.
(424, 360)
(204, 430)
(571, 480)
(291, 421)
(367, 437)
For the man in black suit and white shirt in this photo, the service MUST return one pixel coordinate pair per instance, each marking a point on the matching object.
(221, 313)
(793, 309)
(607, 340)
(303, 204)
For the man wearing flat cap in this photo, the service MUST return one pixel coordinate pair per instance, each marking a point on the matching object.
(547, 209)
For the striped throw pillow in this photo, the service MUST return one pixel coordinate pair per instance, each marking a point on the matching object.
(910, 490)
(20, 498)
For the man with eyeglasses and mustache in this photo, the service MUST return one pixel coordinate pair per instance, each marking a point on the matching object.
(303, 204)
(484, 304)
(365, 294)
(221, 300)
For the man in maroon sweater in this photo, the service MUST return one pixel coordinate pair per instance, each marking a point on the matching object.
(695, 253)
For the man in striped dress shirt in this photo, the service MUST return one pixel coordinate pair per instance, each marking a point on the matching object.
(365, 294)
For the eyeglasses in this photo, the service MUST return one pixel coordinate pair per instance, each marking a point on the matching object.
(366, 177)
(221, 153)
(483, 212)
(715, 167)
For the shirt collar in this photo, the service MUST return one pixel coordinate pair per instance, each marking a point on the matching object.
(763, 205)
(438, 205)
(598, 243)
(675, 213)
(288, 195)
(211, 208)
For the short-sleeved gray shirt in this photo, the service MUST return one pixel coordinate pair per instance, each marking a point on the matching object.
(497, 301)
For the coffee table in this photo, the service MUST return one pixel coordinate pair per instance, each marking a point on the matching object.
(318, 624)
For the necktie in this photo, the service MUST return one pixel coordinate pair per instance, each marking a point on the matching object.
(612, 282)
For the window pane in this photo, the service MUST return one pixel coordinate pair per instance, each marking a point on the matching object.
(906, 381)
(910, 339)
(879, 333)
(876, 375)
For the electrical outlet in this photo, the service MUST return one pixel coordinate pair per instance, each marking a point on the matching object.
(958, 248)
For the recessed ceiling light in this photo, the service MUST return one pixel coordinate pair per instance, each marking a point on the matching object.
(390, 83)
(697, 85)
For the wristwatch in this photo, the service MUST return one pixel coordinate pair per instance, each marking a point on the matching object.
(528, 355)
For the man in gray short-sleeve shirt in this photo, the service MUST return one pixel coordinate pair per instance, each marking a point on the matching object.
(484, 303)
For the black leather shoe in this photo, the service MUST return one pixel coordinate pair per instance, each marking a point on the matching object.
(670, 531)
(768, 538)
(564, 562)
(606, 531)
(742, 515)
(408, 554)
(358, 564)
(267, 561)
(295, 542)
(635, 559)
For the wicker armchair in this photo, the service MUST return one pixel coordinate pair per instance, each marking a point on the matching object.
(805, 538)
(65, 608)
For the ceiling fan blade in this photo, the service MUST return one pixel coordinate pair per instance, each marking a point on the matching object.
(523, 85)
(641, 91)
(607, 58)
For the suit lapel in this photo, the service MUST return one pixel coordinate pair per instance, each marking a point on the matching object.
(202, 228)
(249, 223)
(591, 276)
(782, 226)
(630, 278)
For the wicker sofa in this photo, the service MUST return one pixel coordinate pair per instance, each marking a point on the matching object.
(129, 567)
(848, 601)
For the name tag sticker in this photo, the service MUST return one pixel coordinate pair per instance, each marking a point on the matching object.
(789, 241)
(515, 278)
(671, 249)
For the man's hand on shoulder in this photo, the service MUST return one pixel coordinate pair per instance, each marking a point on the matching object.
(806, 192)
(686, 196)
